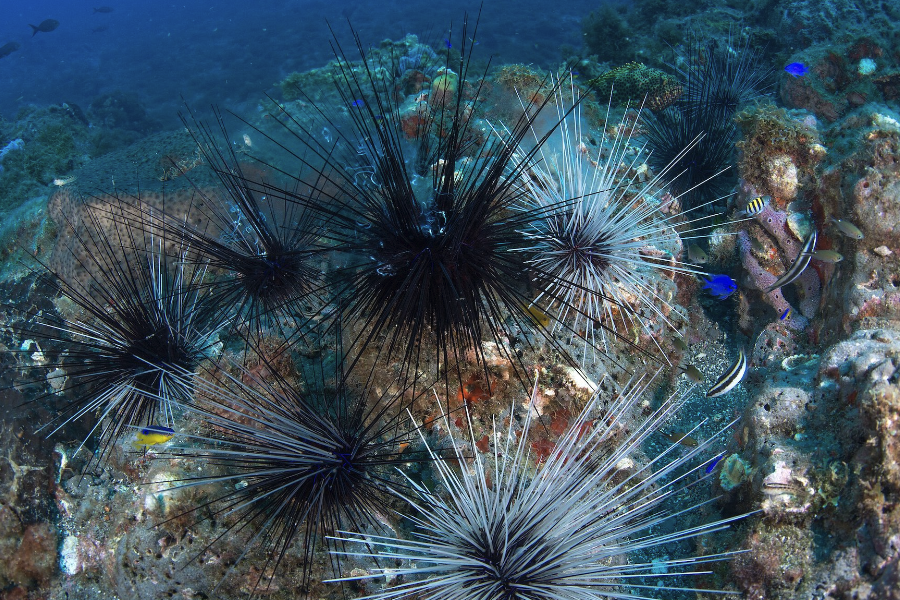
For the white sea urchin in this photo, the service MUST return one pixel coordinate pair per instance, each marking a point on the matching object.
(599, 231)
(568, 530)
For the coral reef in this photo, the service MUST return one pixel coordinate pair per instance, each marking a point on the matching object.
(861, 185)
(758, 260)
(820, 440)
(51, 144)
(635, 83)
(778, 151)
(120, 119)
(815, 451)
(842, 77)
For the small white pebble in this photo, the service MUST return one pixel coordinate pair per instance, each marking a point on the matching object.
(625, 464)
(68, 556)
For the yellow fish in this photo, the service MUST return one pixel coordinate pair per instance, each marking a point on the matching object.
(681, 438)
(152, 435)
(537, 316)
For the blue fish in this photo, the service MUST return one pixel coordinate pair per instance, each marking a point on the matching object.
(786, 314)
(720, 286)
(358, 103)
(448, 44)
(712, 464)
(797, 69)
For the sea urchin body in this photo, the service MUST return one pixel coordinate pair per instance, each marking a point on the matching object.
(137, 321)
(564, 531)
(600, 232)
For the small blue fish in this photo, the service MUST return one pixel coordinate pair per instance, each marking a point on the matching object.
(358, 103)
(720, 286)
(786, 314)
(797, 69)
(448, 44)
(712, 464)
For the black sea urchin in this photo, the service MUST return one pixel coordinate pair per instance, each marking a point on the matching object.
(696, 146)
(132, 320)
(720, 79)
(260, 249)
(579, 527)
(716, 82)
(419, 194)
(298, 458)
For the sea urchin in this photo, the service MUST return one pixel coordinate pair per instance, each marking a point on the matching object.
(568, 530)
(135, 321)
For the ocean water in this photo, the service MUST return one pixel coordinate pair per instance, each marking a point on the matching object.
(228, 54)
(595, 300)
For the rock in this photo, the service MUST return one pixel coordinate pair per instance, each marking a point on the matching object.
(782, 177)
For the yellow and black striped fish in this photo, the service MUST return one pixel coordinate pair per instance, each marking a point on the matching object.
(756, 206)
(799, 265)
(731, 378)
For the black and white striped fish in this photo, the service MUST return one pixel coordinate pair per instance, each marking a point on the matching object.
(755, 206)
(731, 378)
(799, 265)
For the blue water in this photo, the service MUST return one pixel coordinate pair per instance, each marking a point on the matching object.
(230, 52)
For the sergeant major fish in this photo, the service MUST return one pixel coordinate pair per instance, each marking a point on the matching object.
(755, 206)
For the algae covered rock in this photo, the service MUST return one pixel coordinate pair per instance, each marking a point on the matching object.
(633, 82)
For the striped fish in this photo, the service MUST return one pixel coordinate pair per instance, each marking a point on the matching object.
(756, 206)
(798, 266)
(731, 378)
